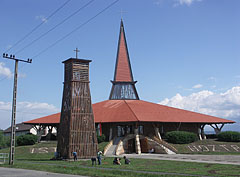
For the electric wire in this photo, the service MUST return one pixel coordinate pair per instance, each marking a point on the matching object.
(80, 26)
(77, 28)
(35, 28)
(64, 37)
(44, 34)
(3, 78)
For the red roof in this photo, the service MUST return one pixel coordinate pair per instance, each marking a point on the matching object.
(143, 111)
(51, 119)
(138, 111)
(123, 71)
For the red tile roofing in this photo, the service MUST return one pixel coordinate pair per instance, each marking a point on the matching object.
(143, 111)
(51, 119)
(138, 111)
(123, 69)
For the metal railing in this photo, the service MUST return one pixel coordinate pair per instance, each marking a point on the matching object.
(3, 157)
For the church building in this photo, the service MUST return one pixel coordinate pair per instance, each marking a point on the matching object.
(132, 125)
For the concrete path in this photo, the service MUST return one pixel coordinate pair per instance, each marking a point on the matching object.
(218, 159)
(112, 149)
(14, 172)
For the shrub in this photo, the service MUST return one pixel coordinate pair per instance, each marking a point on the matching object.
(181, 137)
(8, 141)
(2, 140)
(229, 136)
(26, 140)
(101, 138)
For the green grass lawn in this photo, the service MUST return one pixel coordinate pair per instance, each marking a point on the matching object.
(41, 161)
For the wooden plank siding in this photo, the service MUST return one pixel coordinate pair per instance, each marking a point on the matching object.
(77, 129)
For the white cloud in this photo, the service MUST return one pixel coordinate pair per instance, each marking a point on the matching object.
(212, 78)
(158, 2)
(42, 18)
(4, 71)
(197, 86)
(224, 105)
(185, 2)
(25, 111)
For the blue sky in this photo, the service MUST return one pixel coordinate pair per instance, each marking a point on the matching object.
(184, 53)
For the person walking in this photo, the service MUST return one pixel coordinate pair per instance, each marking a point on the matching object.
(99, 157)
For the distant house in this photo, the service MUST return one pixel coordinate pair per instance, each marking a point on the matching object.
(21, 129)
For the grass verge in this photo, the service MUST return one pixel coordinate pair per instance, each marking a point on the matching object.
(138, 167)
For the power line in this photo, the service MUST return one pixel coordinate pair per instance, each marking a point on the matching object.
(3, 78)
(80, 26)
(35, 28)
(44, 34)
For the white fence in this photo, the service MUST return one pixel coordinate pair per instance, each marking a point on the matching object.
(3, 157)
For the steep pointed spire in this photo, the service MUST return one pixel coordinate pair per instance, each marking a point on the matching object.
(123, 84)
(123, 71)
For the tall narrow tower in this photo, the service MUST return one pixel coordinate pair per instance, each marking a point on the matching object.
(77, 129)
(123, 87)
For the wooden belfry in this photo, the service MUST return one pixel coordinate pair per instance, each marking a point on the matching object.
(76, 132)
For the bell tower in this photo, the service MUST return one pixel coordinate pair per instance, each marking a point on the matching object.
(123, 87)
(76, 132)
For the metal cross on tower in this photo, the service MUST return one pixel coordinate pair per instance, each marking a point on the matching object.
(76, 50)
(122, 12)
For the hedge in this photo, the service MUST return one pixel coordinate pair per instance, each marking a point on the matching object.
(229, 136)
(181, 137)
(26, 140)
(2, 140)
(101, 138)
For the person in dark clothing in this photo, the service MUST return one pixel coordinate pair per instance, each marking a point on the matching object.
(127, 161)
(94, 160)
(116, 161)
(75, 156)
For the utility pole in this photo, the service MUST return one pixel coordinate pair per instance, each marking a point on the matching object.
(13, 122)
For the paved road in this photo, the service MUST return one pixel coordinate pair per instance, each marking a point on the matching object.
(14, 172)
(218, 159)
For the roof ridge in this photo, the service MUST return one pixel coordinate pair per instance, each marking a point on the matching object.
(131, 109)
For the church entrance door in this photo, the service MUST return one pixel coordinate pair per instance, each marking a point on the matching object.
(144, 145)
(131, 146)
